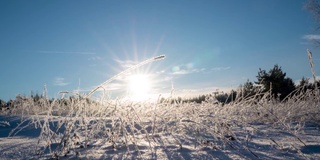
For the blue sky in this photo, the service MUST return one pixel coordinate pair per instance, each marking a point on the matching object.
(209, 44)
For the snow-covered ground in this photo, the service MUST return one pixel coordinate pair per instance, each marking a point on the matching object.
(261, 144)
(80, 129)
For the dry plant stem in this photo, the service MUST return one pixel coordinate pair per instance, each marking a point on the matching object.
(312, 67)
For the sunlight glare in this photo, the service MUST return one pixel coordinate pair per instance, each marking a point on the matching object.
(139, 87)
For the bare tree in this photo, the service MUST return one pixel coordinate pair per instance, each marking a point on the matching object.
(313, 7)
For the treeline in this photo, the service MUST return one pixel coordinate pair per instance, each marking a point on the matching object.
(21, 98)
(212, 98)
(38, 99)
(274, 81)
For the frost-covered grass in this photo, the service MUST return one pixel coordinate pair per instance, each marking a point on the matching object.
(256, 127)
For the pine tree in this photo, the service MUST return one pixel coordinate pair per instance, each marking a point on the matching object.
(276, 81)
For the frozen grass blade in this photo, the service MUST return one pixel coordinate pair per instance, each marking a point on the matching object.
(125, 71)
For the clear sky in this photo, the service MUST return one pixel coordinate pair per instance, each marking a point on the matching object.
(209, 44)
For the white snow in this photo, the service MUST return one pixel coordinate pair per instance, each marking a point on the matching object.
(163, 131)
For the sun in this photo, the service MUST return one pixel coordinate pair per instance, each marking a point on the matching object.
(139, 87)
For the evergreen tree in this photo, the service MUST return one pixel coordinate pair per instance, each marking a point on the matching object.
(227, 98)
(247, 89)
(305, 84)
(276, 81)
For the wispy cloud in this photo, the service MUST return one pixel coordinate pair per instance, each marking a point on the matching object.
(95, 58)
(217, 69)
(311, 37)
(126, 63)
(181, 72)
(59, 81)
(188, 71)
